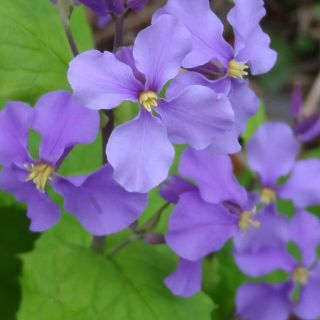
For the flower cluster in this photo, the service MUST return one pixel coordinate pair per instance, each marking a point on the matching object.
(217, 208)
(191, 88)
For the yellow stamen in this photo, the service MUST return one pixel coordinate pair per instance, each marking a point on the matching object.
(246, 222)
(268, 196)
(237, 70)
(39, 175)
(300, 275)
(148, 99)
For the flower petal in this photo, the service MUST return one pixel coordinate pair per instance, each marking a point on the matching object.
(101, 205)
(263, 301)
(62, 123)
(206, 30)
(186, 280)
(101, 81)
(42, 212)
(151, 53)
(140, 153)
(272, 152)
(197, 228)
(259, 251)
(308, 306)
(304, 231)
(244, 102)
(173, 187)
(225, 142)
(15, 121)
(196, 116)
(125, 55)
(303, 186)
(252, 45)
(189, 78)
(213, 175)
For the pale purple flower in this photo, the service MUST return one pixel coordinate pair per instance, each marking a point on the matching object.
(272, 153)
(216, 62)
(206, 215)
(259, 253)
(101, 205)
(141, 151)
(251, 44)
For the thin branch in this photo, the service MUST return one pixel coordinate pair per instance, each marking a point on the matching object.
(65, 9)
(139, 232)
(123, 244)
(98, 242)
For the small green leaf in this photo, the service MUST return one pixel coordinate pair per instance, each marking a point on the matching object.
(294, 251)
(253, 123)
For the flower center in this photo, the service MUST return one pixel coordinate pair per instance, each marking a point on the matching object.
(39, 175)
(300, 275)
(246, 220)
(237, 70)
(268, 196)
(148, 99)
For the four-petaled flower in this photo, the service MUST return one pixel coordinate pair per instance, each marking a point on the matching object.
(206, 215)
(141, 151)
(101, 205)
(272, 153)
(215, 63)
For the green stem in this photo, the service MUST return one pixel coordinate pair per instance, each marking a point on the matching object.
(98, 242)
(139, 232)
(65, 9)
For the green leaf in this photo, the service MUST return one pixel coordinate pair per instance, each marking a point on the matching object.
(34, 52)
(15, 238)
(253, 123)
(221, 280)
(62, 279)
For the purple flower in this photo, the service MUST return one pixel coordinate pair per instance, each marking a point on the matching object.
(260, 253)
(100, 204)
(272, 154)
(141, 151)
(251, 44)
(217, 63)
(206, 216)
(105, 7)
